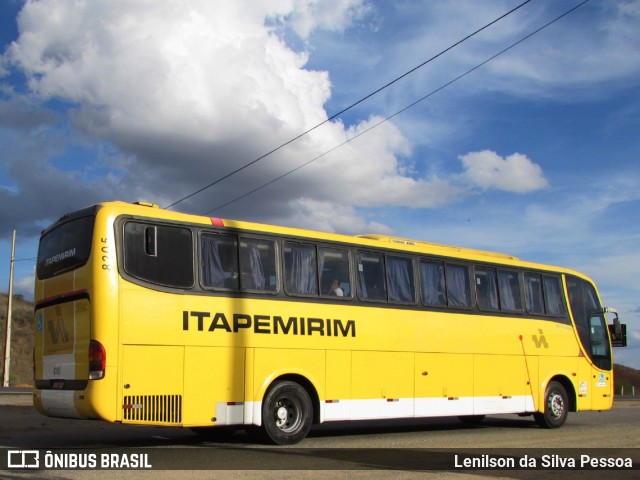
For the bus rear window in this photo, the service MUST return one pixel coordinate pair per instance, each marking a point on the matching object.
(65, 247)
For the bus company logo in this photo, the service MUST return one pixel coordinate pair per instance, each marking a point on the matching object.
(266, 324)
(60, 257)
(540, 340)
(23, 459)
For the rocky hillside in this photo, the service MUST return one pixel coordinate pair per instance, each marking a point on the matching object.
(626, 378)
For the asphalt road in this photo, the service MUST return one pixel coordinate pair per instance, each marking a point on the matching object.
(409, 449)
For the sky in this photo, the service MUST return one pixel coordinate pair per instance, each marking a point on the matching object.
(531, 150)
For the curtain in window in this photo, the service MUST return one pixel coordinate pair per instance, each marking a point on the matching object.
(508, 282)
(533, 293)
(553, 296)
(488, 294)
(433, 285)
(371, 277)
(301, 274)
(212, 272)
(321, 256)
(256, 278)
(492, 290)
(458, 286)
(400, 279)
(362, 281)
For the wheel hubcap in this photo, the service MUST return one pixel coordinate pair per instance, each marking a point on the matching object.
(282, 414)
(288, 414)
(556, 405)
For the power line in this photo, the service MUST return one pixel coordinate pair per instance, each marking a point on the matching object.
(411, 105)
(344, 110)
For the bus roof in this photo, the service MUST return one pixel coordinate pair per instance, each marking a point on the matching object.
(144, 209)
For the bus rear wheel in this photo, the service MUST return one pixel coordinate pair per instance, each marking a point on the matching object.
(287, 413)
(556, 406)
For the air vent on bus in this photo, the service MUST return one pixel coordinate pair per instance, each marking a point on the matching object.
(153, 408)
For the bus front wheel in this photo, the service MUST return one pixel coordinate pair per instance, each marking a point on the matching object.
(286, 413)
(556, 406)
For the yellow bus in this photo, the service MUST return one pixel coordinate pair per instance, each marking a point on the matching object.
(151, 317)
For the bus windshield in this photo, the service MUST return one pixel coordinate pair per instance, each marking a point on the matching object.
(65, 247)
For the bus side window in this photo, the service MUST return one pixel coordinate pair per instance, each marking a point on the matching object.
(458, 288)
(335, 276)
(509, 290)
(400, 282)
(486, 288)
(219, 261)
(432, 283)
(553, 296)
(371, 276)
(300, 269)
(258, 265)
(159, 254)
(533, 293)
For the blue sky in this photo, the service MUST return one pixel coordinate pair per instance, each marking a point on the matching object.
(535, 153)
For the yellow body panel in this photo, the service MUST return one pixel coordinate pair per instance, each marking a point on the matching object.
(211, 373)
(382, 375)
(338, 374)
(446, 375)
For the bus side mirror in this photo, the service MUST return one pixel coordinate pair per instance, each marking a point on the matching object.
(617, 330)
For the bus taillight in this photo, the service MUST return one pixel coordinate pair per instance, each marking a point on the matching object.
(97, 360)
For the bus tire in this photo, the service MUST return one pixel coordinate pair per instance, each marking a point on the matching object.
(287, 413)
(556, 406)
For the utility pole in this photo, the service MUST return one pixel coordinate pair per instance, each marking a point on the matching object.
(7, 346)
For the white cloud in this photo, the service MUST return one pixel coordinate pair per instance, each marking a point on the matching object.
(24, 285)
(158, 67)
(307, 15)
(191, 91)
(333, 217)
(515, 173)
(368, 172)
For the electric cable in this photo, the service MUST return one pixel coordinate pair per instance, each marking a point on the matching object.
(344, 110)
(411, 105)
